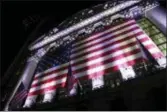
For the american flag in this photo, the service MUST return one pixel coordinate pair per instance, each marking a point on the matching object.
(21, 94)
(107, 51)
(71, 81)
(101, 53)
(114, 48)
(52, 78)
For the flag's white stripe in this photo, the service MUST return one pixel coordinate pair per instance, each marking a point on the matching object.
(56, 82)
(49, 91)
(138, 37)
(79, 59)
(45, 85)
(101, 59)
(89, 71)
(157, 50)
(106, 66)
(52, 69)
(104, 32)
(154, 50)
(104, 43)
(53, 83)
(91, 55)
(117, 53)
(53, 75)
(102, 51)
(148, 42)
(63, 65)
(58, 67)
(99, 39)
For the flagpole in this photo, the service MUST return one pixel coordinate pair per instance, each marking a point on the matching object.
(13, 93)
(69, 54)
(79, 84)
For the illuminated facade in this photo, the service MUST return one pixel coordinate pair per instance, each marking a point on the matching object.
(50, 51)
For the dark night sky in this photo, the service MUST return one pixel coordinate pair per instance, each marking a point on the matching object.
(14, 34)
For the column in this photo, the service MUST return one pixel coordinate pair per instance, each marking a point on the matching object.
(30, 101)
(25, 78)
(29, 71)
(97, 82)
(157, 16)
(29, 74)
(49, 96)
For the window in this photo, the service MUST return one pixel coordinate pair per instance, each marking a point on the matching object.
(163, 48)
(154, 33)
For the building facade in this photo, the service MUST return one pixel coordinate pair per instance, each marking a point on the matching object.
(95, 50)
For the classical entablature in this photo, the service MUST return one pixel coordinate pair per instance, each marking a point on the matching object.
(87, 20)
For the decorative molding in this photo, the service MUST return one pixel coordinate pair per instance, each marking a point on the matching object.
(84, 23)
(40, 53)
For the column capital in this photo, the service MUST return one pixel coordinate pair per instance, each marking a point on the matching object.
(39, 54)
(148, 4)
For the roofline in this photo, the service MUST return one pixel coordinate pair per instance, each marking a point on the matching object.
(83, 23)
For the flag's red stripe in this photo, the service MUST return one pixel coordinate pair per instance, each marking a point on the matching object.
(155, 55)
(95, 37)
(99, 56)
(103, 72)
(109, 70)
(49, 80)
(130, 63)
(95, 50)
(42, 91)
(66, 67)
(19, 94)
(150, 46)
(103, 47)
(90, 58)
(113, 26)
(144, 39)
(21, 97)
(18, 97)
(110, 60)
(108, 52)
(51, 72)
(105, 53)
(112, 37)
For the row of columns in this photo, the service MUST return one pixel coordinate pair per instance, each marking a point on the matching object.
(28, 74)
(156, 15)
